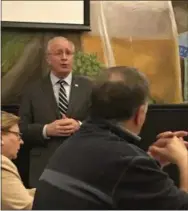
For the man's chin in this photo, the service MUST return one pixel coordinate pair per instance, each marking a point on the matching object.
(64, 72)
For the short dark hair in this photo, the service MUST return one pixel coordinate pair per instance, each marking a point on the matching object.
(118, 93)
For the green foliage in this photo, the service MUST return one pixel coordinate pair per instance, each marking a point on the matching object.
(13, 44)
(86, 64)
(152, 101)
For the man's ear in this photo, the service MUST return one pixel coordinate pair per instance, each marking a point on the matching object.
(137, 116)
(48, 59)
(140, 115)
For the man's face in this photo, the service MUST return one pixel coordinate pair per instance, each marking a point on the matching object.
(60, 57)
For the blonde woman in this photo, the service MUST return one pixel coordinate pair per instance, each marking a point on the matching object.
(14, 194)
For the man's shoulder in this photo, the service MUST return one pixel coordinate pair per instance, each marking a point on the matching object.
(83, 79)
(108, 141)
(35, 84)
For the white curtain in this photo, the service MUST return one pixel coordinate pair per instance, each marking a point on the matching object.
(132, 20)
(134, 28)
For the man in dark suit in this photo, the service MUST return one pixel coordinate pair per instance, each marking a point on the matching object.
(54, 107)
(108, 169)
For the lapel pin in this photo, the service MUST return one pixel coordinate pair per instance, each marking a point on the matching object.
(76, 85)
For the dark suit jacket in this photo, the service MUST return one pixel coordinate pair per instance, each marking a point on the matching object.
(39, 107)
(107, 171)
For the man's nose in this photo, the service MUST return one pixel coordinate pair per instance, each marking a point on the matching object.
(64, 56)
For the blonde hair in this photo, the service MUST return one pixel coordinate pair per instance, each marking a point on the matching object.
(8, 120)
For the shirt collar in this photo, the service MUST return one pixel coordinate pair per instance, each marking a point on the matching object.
(115, 128)
(55, 79)
(134, 135)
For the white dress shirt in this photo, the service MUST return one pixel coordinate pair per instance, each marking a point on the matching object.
(56, 86)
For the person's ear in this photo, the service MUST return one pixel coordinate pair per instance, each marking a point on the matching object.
(140, 115)
(137, 117)
(48, 59)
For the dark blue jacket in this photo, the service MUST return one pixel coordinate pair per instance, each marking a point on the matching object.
(101, 167)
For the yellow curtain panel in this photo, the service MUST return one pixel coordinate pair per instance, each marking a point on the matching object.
(142, 34)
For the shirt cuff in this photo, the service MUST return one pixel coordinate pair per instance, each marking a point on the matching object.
(80, 123)
(44, 132)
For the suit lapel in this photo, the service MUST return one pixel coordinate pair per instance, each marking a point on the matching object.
(49, 96)
(74, 95)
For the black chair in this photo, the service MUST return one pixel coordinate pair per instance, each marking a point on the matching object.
(161, 118)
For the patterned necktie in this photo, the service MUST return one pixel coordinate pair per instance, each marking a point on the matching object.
(63, 102)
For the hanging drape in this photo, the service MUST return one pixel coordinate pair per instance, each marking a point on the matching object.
(142, 34)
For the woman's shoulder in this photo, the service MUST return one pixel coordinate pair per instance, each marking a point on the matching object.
(7, 166)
